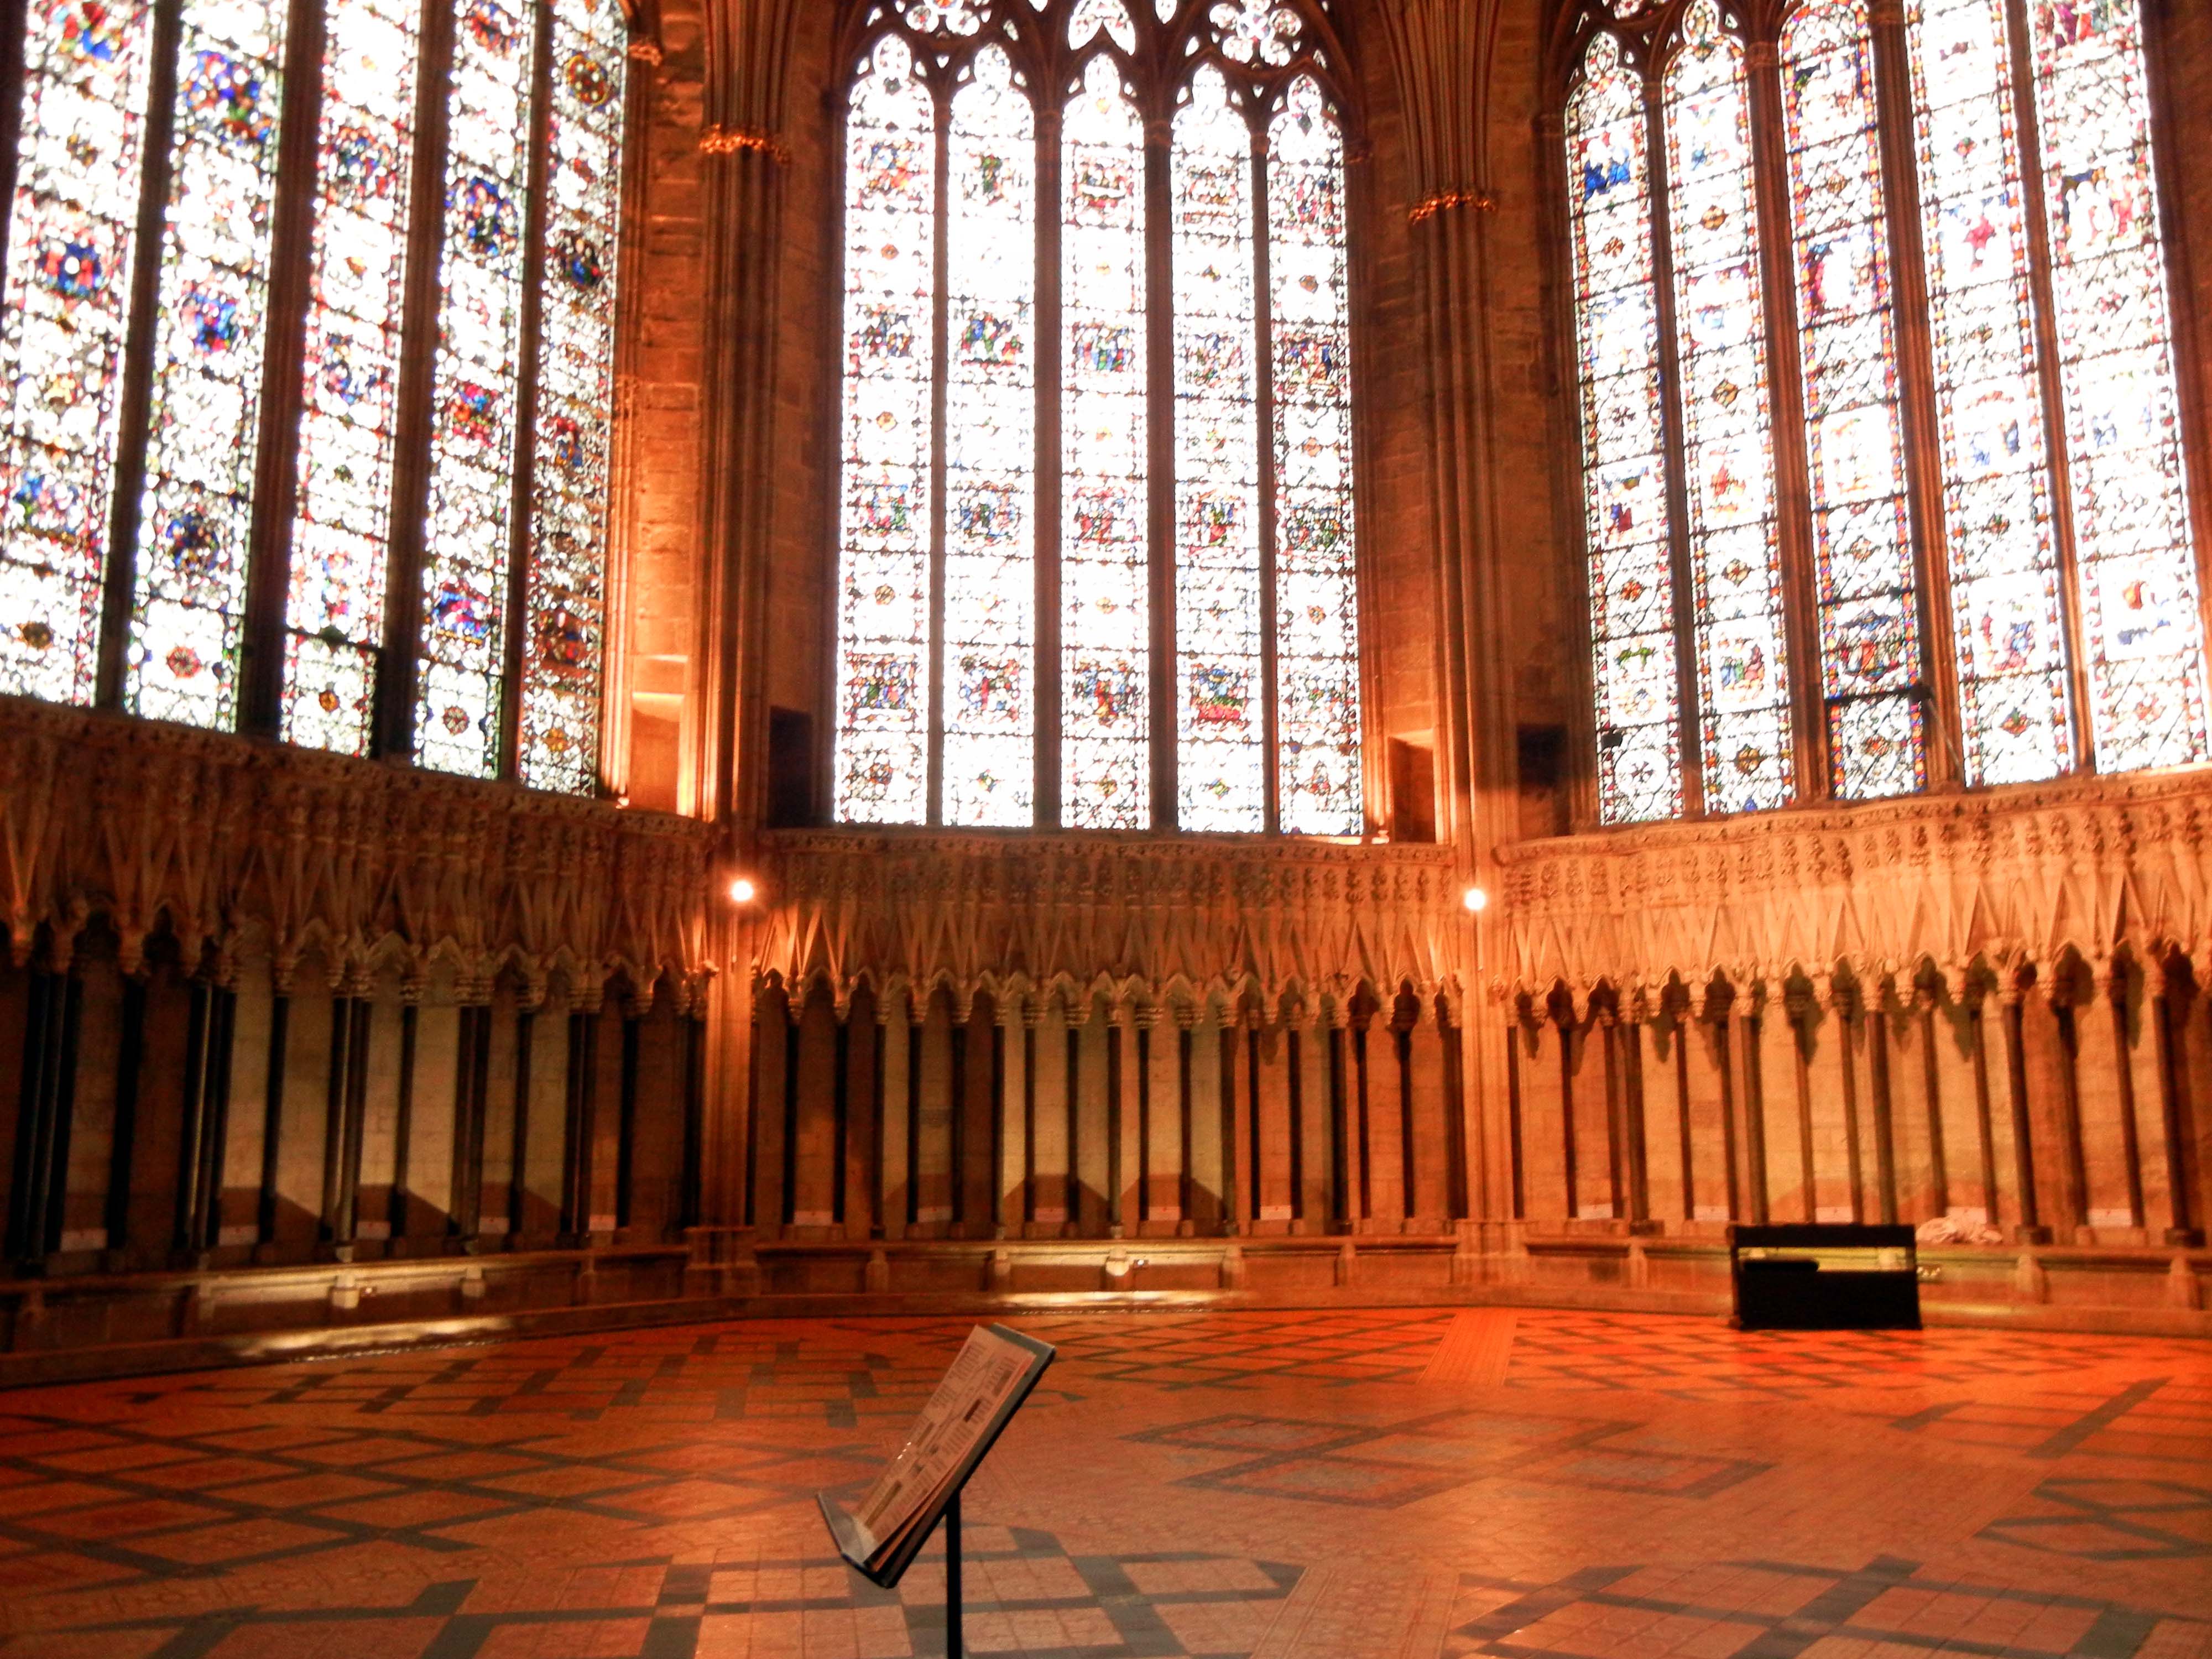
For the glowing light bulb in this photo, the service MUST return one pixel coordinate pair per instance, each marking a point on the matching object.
(1476, 900)
(742, 892)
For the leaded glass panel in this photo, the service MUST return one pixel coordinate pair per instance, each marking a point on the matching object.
(1219, 724)
(881, 755)
(195, 514)
(63, 312)
(1104, 570)
(1317, 599)
(1720, 339)
(1870, 664)
(2142, 629)
(2010, 634)
(990, 451)
(334, 611)
(1624, 446)
(466, 542)
(564, 616)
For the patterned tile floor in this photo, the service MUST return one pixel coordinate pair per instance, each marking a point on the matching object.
(1288, 1487)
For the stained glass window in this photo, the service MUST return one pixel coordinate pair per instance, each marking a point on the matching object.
(1997, 491)
(1221, 750)
(1089, 16)
(1316, 610)
(881, 760)
(462, 654)
(1862, 537)
(1720, 335)
(341, 540)
(67, 297)
(1105, 611)
(189, 610)
(990, 449)
(564, 603)
(947, 702)
(1624, 445)
(2142, 630)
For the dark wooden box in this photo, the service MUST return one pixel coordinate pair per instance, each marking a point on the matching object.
(1825, 1278)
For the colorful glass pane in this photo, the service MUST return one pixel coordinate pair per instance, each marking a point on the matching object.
(1720, 335)
(1624, 447)
(2142, 629)
(195, 514)
(461, 660)
(1089, 16)
(63, 312)
(1221, 779)
(1870, 665)
(989, 690)
(1316, 597)
(881, 758)
(2011, 644)
(1257, 32)
(1104, 570)
(341, 530)
(564, 617)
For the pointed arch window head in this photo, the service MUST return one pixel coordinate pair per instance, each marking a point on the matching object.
(419, 553)
(1731, 292)
(1149, 461)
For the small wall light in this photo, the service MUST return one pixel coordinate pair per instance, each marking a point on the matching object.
(742, 891)
(1476, 900)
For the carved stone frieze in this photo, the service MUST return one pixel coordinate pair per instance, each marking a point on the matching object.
(1183, 923)
(362, 866)
(2014, 878)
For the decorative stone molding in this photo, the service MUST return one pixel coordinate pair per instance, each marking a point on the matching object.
(1183, 923)
(1963, 887)
(368, 868)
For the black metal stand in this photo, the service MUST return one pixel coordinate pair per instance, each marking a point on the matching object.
(955, 1647)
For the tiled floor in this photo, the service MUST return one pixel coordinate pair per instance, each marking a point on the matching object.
(1322, 1486)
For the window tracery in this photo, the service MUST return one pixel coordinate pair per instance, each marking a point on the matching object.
(1203, 460)
(2042, 318)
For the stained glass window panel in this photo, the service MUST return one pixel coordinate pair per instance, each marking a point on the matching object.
(1623, 464)
(564, 619)
(197, 512)
(1720, 331)
(1317, 599)
(2142, 629)
(334, 607)
(1104, 572)
(63, 312)
(2011, 646)
(1089, 16)
(466, 544)
(881, 757)
(1221, 725)
(990, 451)
(1862, 546)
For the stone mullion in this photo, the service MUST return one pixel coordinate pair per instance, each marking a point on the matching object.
(940, 330)
(1689, 700)
(13, 23)
(1050, 357)
(1263, 381)
(1914, 345)
(2050, 383)
(1160, 439)
(1786, 415)
(127, 475)
(276, 481)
